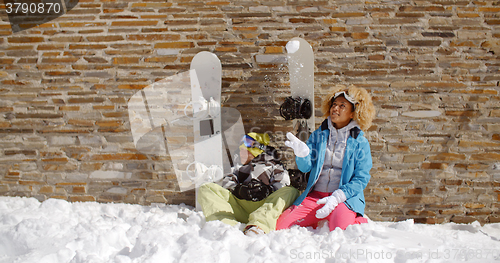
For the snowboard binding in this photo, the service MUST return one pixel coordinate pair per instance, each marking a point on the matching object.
(298, 179)
(296, 108)
(203, 109)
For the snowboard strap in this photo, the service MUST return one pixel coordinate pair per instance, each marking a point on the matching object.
(301, 130)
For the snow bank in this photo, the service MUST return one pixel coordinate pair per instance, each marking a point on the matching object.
(57, 231)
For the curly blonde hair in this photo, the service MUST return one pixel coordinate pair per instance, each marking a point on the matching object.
(364, 111)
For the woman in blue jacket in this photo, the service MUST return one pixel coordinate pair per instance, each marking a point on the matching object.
(338, 158)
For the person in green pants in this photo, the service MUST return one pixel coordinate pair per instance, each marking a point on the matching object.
(255, 193)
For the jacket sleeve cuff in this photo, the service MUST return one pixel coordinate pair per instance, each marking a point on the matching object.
(303, 163)
(339, 194)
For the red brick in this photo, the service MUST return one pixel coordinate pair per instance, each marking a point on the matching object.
(245, 28)
(104, 38)
(301, 20)
(46, 190)
(489, 9)
(64, 131)
(474, 205)
(62, 159)
(23, 40)
(79, 190)
(181, 22)
(81, 24)
(462, 43)
(223, 49)
(343, 15)
(86, 100)
(59, 60)
(422, 8)
(104, 107)
(464, 113)
(468, 144)
(174, 45)
(132, 86)
(424, 43)
(492, 22)
(440, 166)
(154, 37)
(126, 60)
(7, 60)
(60, 167)
(72, 39)
(118, 156)
(468, 15)
(338, 29)
(447, 157)
(485, 157)
(359, 35)
(151, 5)
(161, 59)
(71, 184)
(137, 23)
(87, 46)
(109, 123)
(82, 198)
(81, 123)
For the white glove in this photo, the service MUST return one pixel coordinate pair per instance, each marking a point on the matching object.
(330, 202)
(203, 174)
(299, 147)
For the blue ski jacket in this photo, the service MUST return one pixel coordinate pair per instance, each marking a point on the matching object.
(355, 167)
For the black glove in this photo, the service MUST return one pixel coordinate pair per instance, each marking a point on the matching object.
(298, 179)
(254, 190)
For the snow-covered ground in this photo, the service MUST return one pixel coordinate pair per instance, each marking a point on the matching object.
(58, 231)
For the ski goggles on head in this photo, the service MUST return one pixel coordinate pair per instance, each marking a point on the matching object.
(253, 146)
(250, 142)
(346, 96)
(247, 141)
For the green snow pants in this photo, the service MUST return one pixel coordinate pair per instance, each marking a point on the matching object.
(219, 203)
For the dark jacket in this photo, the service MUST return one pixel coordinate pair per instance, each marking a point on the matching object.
(265, 168)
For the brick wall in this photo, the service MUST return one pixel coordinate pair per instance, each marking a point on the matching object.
(431, 66)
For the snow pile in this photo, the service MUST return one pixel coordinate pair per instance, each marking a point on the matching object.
(57, 231)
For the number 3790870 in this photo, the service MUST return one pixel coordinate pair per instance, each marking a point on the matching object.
(33, 8)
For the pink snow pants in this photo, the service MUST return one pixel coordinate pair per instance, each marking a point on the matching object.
(305, 214)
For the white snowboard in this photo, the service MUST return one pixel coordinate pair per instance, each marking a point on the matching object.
(207, 129)
(300, 58)
(206, 94)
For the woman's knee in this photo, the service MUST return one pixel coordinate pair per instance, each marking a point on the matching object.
(341, 217)
(284, 221)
